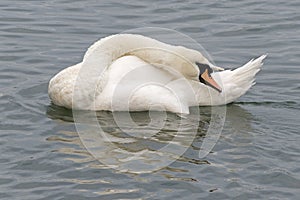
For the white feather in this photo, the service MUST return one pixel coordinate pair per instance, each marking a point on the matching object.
(133, 72)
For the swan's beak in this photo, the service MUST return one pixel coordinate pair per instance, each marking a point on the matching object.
(210, 81)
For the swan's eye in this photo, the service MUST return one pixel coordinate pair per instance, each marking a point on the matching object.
(203, 67)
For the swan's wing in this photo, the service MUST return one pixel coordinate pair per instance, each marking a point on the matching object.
(136, 85)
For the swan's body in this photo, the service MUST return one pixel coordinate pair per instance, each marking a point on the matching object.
(133, 72)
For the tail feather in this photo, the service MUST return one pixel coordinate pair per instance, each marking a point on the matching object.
(247, 72)
(240, 80)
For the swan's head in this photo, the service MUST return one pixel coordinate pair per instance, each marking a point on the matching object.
(206, 78)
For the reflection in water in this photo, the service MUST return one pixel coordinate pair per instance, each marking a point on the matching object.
(239, 118)
(57, 112)
(143, 141)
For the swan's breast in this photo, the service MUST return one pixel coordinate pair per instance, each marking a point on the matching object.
(61, 86)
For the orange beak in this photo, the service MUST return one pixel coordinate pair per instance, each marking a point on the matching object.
(210, 81)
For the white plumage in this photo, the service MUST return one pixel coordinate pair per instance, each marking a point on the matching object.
(133, 72)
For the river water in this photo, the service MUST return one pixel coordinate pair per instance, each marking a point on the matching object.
(42, 155)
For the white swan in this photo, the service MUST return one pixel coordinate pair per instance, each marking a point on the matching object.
(134, 72)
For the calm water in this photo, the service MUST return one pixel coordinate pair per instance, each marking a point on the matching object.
(257, 155)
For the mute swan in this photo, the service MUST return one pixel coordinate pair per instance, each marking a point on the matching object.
(133, 72)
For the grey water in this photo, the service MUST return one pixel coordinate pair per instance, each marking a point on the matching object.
(257, 155)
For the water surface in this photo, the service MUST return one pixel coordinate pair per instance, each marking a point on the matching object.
(257, 155)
